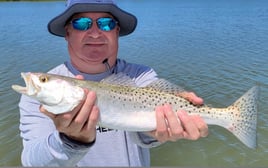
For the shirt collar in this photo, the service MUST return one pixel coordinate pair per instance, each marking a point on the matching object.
(92, 77)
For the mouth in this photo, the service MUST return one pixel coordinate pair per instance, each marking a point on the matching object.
(29, 89)
(95, 44)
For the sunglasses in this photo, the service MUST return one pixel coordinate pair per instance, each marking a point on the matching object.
(103, 23)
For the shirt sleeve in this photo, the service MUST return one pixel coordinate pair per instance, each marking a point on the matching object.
(42, 145)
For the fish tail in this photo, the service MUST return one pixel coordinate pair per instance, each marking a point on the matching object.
(244, 112)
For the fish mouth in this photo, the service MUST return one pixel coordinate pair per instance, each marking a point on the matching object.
(29, 89)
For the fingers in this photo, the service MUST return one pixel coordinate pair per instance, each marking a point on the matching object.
(161, 130)
(168, 126)
(80, 123)
(88, 120)
(173, 123)
(201, 125)
(174, 126)
(192, 97)
(44, 111)
(83, 126)
(79, 77)
(83, 110)
(62, 121)
(194, 126)
(90, 126)
(190, 130)
(83, 116)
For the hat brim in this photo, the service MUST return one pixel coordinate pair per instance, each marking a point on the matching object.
(127, 21)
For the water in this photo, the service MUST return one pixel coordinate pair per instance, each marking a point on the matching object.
(216, 49)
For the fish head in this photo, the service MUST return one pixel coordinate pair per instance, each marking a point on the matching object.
(32, 87)
(56, 94)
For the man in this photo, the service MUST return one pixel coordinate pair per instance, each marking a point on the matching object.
(91, 29)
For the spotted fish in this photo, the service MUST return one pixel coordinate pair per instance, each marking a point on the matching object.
(124, 106)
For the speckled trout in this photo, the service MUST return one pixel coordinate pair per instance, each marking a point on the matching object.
(124, 106)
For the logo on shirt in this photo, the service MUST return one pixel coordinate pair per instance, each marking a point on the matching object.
(101, 129)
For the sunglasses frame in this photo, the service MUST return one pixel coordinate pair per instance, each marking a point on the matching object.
(88, 23)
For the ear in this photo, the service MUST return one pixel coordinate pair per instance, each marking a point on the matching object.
(118, 30)
(67, 33)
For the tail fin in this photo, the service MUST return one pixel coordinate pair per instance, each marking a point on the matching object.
(244, 126)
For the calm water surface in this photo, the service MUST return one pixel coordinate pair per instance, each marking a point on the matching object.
(217, 49)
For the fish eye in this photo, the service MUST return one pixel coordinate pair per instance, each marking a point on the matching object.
(43, 79)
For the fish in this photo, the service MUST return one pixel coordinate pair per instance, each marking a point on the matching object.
(125, 106)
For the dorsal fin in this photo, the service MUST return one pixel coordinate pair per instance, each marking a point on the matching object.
(119, 79)
(165, 86)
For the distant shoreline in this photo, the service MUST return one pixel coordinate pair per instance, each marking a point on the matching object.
(27, 0)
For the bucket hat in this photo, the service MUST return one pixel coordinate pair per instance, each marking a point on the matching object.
(127, 21)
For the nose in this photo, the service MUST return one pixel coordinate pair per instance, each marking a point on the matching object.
(94, 31)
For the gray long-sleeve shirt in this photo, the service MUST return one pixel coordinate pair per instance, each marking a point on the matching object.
(42, 145)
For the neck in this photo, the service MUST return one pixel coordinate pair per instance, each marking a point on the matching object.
(92, 77)
(94, 68)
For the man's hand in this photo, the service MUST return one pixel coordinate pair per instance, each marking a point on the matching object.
(191, 97)
(80, 123)
(173, 126)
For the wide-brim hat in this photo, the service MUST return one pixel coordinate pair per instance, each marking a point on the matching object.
(127, 21)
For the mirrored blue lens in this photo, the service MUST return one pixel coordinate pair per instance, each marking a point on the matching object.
(82, 23)
(104, 24)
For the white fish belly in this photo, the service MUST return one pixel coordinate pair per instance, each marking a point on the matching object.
(116, 114)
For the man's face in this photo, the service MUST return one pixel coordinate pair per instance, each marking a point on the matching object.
(89, 48)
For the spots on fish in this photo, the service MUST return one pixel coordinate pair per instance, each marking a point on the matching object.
(143, 98)
(240, 118)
